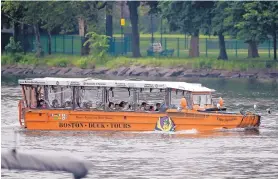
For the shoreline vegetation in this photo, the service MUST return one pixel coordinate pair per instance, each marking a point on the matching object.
(87, 66)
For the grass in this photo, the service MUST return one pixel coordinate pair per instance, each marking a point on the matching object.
(240, 64)
(208, 48)
(195, 63)
(157, 35)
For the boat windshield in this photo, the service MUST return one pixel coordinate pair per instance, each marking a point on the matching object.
(202, 99)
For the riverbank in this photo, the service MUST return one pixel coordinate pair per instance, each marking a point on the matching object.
(88, 66)
(134, 71)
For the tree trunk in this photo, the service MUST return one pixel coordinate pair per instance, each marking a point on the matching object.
(109, 19)
(39, 51)
(133, 13)
(17, 29)
(26, 44)
(23, 38)
(49, 42)
(81, 26)
(194, 45)
(253, 49)
(275, 44)
(82, 32)
(222, 47)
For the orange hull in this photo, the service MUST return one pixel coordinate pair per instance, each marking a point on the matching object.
(36, 119)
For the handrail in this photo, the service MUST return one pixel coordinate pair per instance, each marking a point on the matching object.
(20, 112)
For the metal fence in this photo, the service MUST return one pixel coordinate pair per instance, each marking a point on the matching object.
(208, 47)
(63, 44)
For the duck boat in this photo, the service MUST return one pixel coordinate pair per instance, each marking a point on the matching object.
(124, 105)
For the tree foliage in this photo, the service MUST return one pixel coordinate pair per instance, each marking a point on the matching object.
(98, 44)
(252, 21)
(260, 21)
(13, 46)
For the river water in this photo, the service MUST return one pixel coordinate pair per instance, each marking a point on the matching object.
(187, 154)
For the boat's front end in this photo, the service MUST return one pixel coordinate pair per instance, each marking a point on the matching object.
(250, 120)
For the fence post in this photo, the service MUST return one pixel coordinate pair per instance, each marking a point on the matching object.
(63, 43)
(268, 48)
(71, 44)
(81, 39)
(206, 47)
(165, 43)
(125, 43)
(178, 47)
(114, 46)
(55, 44)
(185, 41)
(236, 48)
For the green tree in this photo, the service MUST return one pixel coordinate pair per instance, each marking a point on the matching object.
(98, 45)
(254, 22)
(13, 47)
(109, 18)
(133, 14)
(259, 21)
(188, 17)
(219, 27)
(29, 14)
(86, 12)
(56, 14)
(250, 32)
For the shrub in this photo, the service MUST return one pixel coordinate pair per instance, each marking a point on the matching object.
(98, 45)
(13, 47)
(11, 59)
(58, 62)
(6, 60)
(29, 60)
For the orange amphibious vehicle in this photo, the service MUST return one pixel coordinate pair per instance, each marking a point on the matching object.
(124, 105)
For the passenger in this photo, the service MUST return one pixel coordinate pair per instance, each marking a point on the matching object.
(41, 104)
(122, 104)
(55, 103)
(138, 107)
(87, 105)
(143, 106)
(125, 106)
(117, 107)
(183, 103)
(151, 108)
(111, 105)
(147, 108)
(163, 108)
(157, 106)
(68, 104)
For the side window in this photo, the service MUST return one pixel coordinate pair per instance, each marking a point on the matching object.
(196, 99)
(33, 95)
(209, 99)
(202, 99)
(59, 97)
(89, 98)
(27, 92)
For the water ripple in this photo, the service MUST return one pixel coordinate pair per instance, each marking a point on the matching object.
(185, 154)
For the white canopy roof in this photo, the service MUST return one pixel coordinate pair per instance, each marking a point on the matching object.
(194, 87)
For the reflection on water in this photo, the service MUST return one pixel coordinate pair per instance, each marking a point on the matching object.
(233, 153)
